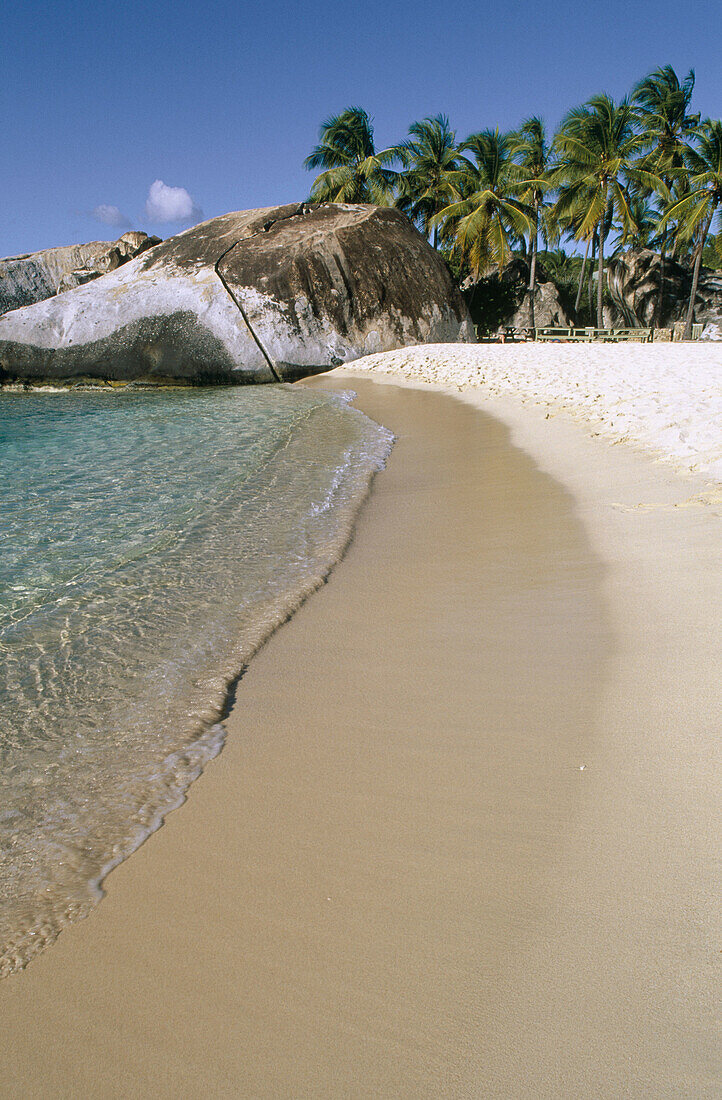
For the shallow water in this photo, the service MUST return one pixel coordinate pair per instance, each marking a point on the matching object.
(149, 542)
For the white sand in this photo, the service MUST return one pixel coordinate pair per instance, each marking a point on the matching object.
(665, 398)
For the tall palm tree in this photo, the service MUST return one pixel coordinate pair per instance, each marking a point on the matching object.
(431, 172)
(662, 103)
(697, 210)
(487, 216)
(534, 158)
(353, 170)
(598, 148)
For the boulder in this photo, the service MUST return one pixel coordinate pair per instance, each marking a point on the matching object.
(252, 296)
(708, 302)
(633, 281)
(548, 309)
(38, 276)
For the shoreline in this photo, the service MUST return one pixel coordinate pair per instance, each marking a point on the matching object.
(356, 898)
(177, 727)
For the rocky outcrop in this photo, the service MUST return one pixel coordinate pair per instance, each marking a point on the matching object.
(38, 276)
(633, 280)
(708, 302)
(252, 296)
(548, 309)
(501, 299)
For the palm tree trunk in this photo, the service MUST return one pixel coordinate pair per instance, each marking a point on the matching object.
(581, 277)
(695, 278)
(532, 266)
(590, 288)
(600, 282)
(600, 269)
(659, 312)
(438, 207)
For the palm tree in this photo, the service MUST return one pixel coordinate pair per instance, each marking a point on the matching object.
(696, 211)
(534, 158)
(662, 104)
(598, 147)
(488, 214)
(431, 172)
(353, 170)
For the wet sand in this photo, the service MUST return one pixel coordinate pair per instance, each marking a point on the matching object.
(460, 840)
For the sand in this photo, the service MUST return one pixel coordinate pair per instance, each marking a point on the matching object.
(665, 399)
(460, 841)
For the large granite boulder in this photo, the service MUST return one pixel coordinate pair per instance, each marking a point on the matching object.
(253, 296)
(633, 280)
(548, 309)
(38, 276)
(708, 301)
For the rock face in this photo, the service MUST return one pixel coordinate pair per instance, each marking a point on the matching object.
(548, 309)
(633, 279)
(253, 296)
(38, 276)
(708, 303)
(501, 299)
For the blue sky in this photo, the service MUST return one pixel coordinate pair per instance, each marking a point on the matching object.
(223, 100)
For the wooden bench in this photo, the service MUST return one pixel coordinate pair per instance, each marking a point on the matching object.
(562, 334)
(607, 335)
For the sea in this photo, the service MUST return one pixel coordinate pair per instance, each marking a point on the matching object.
(150, 542)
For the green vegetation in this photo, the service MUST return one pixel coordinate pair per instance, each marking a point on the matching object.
(431, 175)
(533, 156)
(701, 201)
(353, 170)
(643, 172)
(486, 217)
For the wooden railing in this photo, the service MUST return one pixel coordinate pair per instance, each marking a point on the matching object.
(510, 335)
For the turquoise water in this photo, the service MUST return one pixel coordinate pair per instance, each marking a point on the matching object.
(149, 543)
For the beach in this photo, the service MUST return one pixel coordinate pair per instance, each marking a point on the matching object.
(460, 840)
(663, 398)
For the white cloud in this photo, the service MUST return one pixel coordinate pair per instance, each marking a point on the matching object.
(170, 204)
(111, 215)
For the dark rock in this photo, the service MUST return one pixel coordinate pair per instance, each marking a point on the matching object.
(501, 299)
(247, 297)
